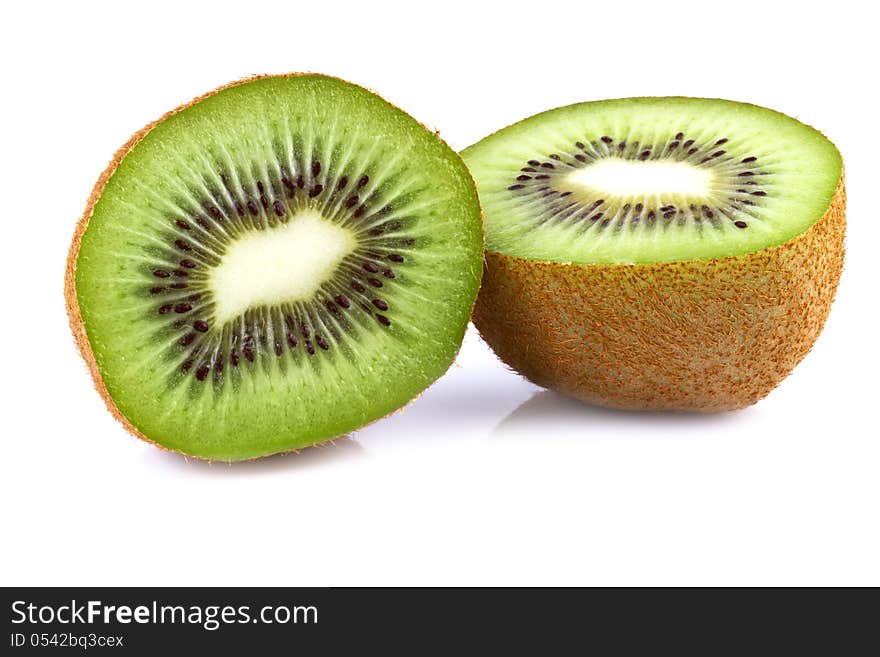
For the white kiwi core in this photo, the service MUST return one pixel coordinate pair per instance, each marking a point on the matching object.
(277, 265)
(665, 179)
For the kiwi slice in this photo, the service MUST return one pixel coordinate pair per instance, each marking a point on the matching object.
(275, 264)
(658, 253)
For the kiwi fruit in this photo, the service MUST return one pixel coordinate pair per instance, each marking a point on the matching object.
(275, 264)
(658, 253)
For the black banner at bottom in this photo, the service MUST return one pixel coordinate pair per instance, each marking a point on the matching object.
(267, 621)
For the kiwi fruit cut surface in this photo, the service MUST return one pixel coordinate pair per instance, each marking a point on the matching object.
(275, 264)
(658, 253)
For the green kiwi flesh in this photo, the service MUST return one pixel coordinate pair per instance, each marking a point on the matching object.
(638, 180)
(274, 265)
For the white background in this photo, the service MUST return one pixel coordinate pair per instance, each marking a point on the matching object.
(485, 479)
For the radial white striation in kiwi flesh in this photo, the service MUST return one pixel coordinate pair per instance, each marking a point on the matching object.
(658, 253)
(273, 265)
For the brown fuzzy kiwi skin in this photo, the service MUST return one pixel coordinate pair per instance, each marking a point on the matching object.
(694, 335)
(74, 315)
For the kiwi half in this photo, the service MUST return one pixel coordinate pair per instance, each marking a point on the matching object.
(275, 264)
(658, 253)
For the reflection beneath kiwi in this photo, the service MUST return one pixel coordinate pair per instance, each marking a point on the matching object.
(323, 454)
(547, 412)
